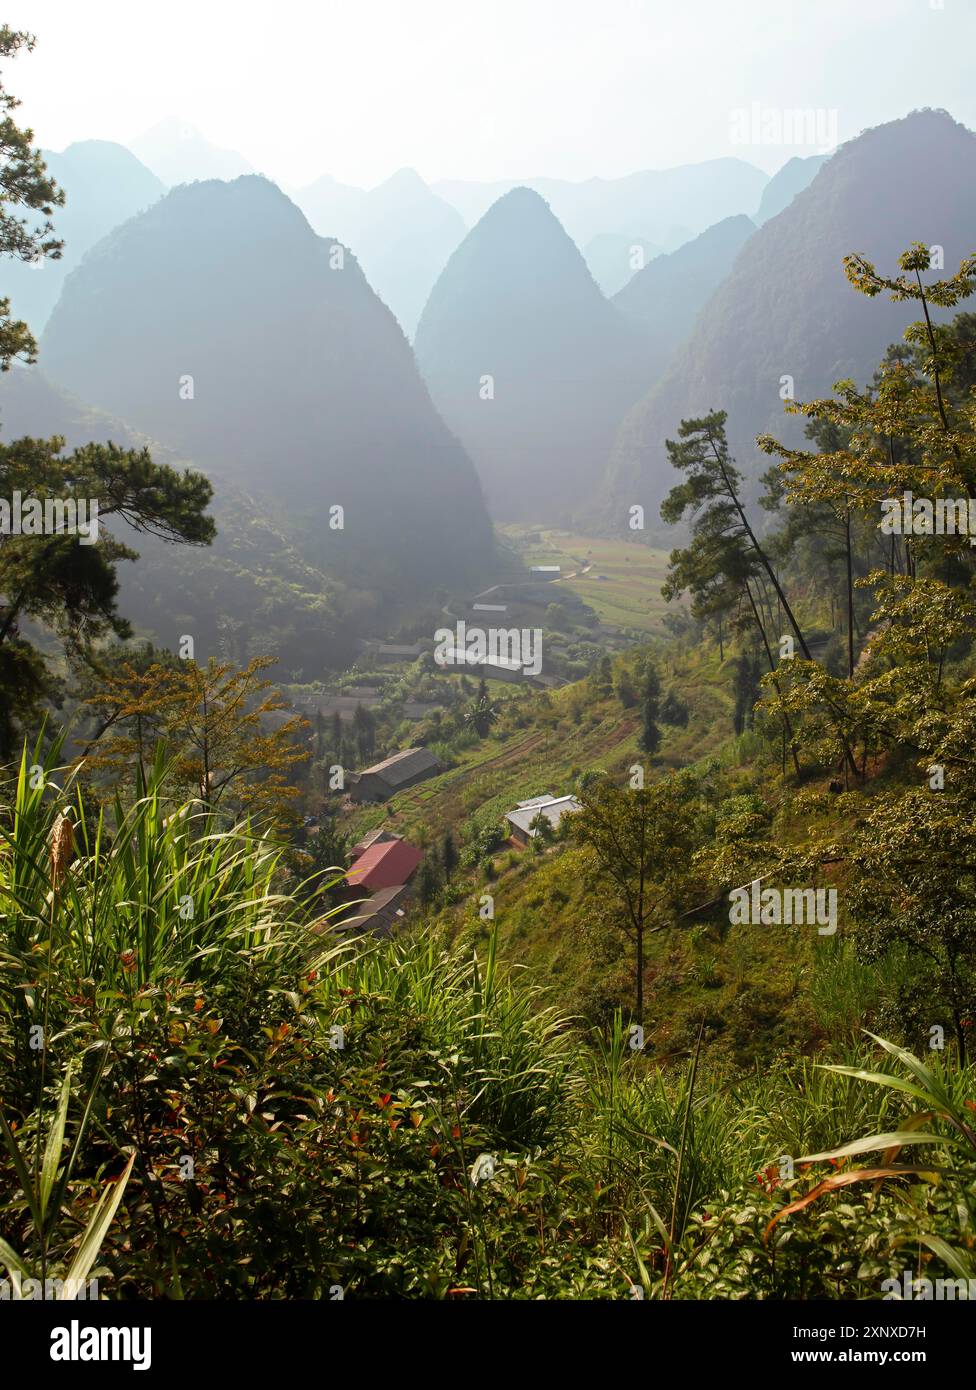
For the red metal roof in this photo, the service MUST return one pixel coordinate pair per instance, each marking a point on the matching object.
(384, 865)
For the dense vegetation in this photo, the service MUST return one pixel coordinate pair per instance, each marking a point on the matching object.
(580, 1069)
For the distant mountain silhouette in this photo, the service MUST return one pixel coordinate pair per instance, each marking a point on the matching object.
(220, 324)
(611, 258)
(796, 175)
(648, 205)
(517, 304)
(787, 310)
(104, 184)
(401, 233)
(666, 296)
(177, 153)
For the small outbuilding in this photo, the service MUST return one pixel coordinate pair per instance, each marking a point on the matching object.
(553, 808)
(392, 775)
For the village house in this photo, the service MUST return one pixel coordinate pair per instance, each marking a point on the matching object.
(392, 775)
(496, 668)
(384, 864)
(380, 913)
(388, 652)
(374, 837)
(553, 808)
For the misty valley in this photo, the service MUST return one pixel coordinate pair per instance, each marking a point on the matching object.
(488, 669)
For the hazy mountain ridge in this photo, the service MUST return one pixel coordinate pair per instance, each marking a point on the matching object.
(796, 175)
(787, 310)
(666, 296)
(104, 185)
(219, 323)
(402, 233)
(661, 206)
(517, 304)
(178, 153)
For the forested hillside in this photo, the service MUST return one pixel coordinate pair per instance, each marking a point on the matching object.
(784, 323)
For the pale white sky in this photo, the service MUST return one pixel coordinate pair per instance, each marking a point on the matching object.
(482, 89)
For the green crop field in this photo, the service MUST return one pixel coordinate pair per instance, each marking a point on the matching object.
(620, 580)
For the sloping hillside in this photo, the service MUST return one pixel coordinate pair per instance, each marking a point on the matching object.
(786, 317)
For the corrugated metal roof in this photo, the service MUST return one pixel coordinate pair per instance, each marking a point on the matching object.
(400, 766)
(385, 864)
(553, 810)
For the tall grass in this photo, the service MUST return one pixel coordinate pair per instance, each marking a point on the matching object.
(396, 1114)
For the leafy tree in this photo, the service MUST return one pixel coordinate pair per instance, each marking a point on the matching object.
(602, 678)
(558, 618)
(710, 493)
(24, 184)
(826, 504)
(641, 843)
(746, 689)
(364, 725)
(64, 585)
(649, 740)
(910, 432)
(724, 564)
(913, 429)
(674, 710)
(125, 689)
(428, 881)
(913, 891)
(226, 729)
(625, 688)
(327, 854)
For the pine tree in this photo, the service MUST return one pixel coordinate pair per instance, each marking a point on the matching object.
(24, 183)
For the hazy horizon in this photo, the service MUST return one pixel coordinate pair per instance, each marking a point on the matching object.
(460, 94)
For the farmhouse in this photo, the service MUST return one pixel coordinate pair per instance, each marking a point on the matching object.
(380, 913)
(385, 864)
(395, 774)
(374, 837)
(497, 668)
(552, 807)
(398, 651)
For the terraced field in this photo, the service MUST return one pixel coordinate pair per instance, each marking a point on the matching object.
(567, 732)
(501, 771)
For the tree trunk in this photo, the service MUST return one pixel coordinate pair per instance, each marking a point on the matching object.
(772, 666)
(762, 557)
(850, 597)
